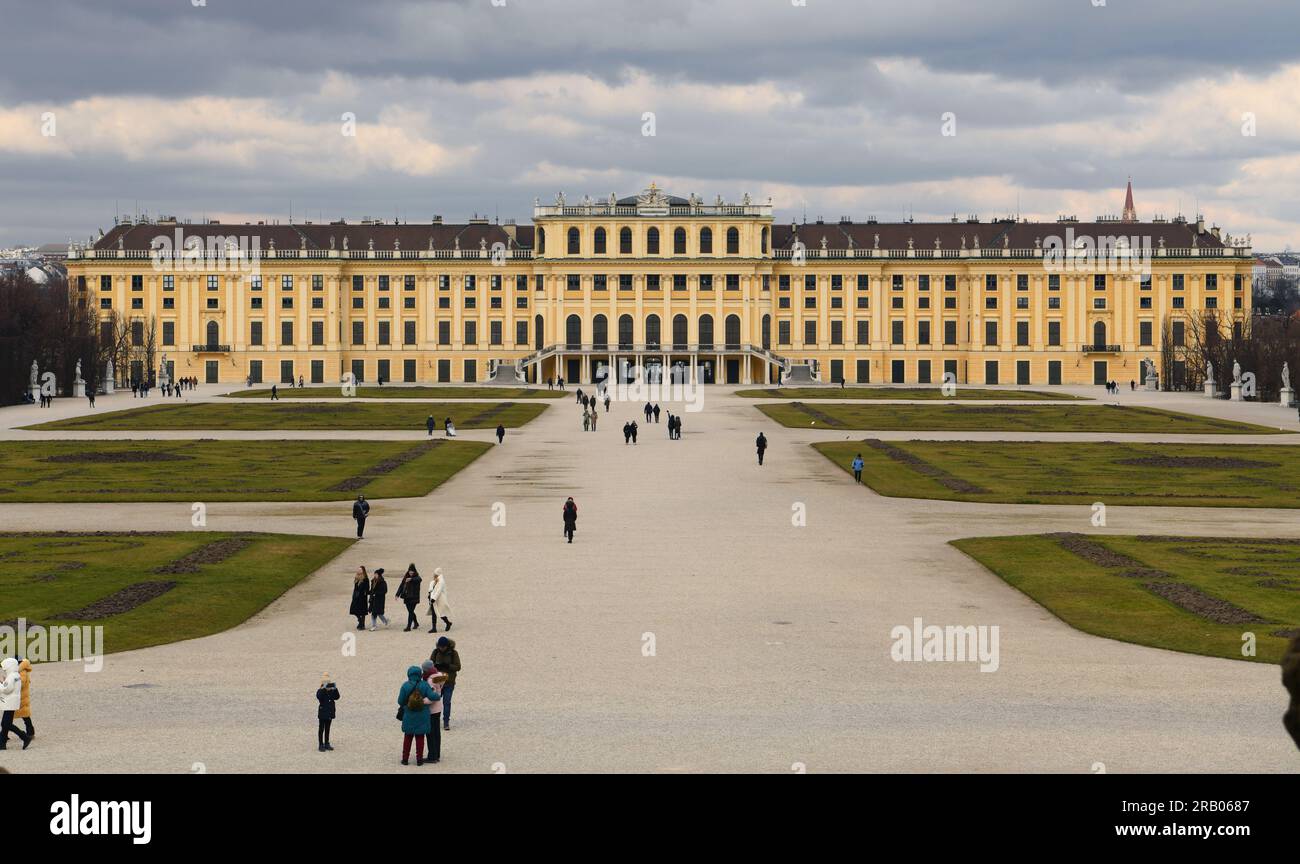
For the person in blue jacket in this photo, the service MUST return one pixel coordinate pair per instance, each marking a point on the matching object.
(857, 468)
(415, 721)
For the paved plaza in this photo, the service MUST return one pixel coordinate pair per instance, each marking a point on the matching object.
(771, 640)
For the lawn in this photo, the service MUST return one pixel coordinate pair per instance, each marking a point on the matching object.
(207, 470)
(1193, 594)
(1038, 472)
(402, 391)
(1085, 417)
(934, 392)
(153, 588)
(303, 415)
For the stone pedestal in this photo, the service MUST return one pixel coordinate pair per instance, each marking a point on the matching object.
(79, 389)
(1209, 389)
(1286, 398)
(36, 393)
(1236, 391)
(1152, 382)
(108, 386)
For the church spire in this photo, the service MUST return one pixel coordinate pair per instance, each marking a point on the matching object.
(1130, 212)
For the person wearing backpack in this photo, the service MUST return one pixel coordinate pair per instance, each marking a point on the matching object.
(414, 714)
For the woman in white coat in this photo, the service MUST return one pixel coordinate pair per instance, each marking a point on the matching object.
(11, 698)
(439, 606)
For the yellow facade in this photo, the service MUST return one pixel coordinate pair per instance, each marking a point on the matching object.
(726, 293)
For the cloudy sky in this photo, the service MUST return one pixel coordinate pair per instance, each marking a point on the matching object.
(235, 109)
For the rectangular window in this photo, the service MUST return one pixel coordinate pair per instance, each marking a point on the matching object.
(385, 332)
(679, 281)
(897, 283)
(318, 332)
(1054, 283)
(1022, 334)
(706, 283)
(783, 332)
(990, 333)
(318, 283)
(598, 282)
(864, 331)
(213, 283)
(896, 332)
(1022, 282)
(923, 332)
(1099, 303)
(1099, 282)
(494, 332)
(255, 333)
(864, 282)
(358, 302)
(137, 283)
(408, 332)
(733, 282)
(1178, 282)
(358, 283)
(286, 332)
(1178, 334)
(286, 282)
(950, 332)
(1144, 333)
(991, 282)
(169, 333)
(922, 283)
(444, 333)
(652, 282)
(383, 283)
(782, 283)
(521, 332)
(1022, 302)
(991, 302)
(1053, 302)
(809, 333)
(169, 282)
(1054, 333)
(358, 332)
(169, 302)
(1178, 302)
(624, 281)
(837, 332)
(471, 332)
(950, 283)
(286, 302)
(573, 282)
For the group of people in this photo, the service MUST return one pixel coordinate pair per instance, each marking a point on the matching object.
(424, 699)
(16, 701)
(555, 383)
(423, 704)
(370, 593)
(1112, 387)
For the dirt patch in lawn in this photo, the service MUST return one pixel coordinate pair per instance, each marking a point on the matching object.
(1095, 553)
(1202, 605)
(818, 416)
(1213, 462)
(358, 481)
(920, 466)
(484, 416)
(209, 553)
(117, 457)
(119, 602)
(991, 410)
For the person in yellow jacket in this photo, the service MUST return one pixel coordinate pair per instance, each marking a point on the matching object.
(25, 705)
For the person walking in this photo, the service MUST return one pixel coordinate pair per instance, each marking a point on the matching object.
(412, 710)
(409, 590)
(627, 433)
(360, 510)
(586, 420)
(429, 424)
(857, 468)
(578, 397)
(633, 431)
(761, 444)
(570, 518)
(594, 414)
(378, 594)
(501, 433)
(606, 403)
(439, 605)
(550, 384)
(648, 412)
(326, 695)
(559, 382)
(677, 423)
(447, 661)
(90, 394)
(275, 393)
(11, 695)
(656, 412)
(433, 738)
(24, 712)
(360, 597)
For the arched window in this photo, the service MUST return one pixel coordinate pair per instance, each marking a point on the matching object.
(625, 241)
(573, 332)
(575, 242)
(767, 325)
(733, 241)
(1099, 334)
(537, 332)
(733, 331)
(541, 241)
(679, 241)
(625, 332)
(763, 242)
(652, 331)
(706, 332)
(600, 241)
(679, 332)
(214, 334)
(600, 332)
(652, 242)
(706, 241)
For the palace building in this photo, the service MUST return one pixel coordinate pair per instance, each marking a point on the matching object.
(714, 292)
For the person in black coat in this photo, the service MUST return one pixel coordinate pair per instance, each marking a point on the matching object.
(327, 694)
(570, 518)
(501, 433)
(409, 591)
(760, 444)
(360, 510)
(360, 597)
(378, 590)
